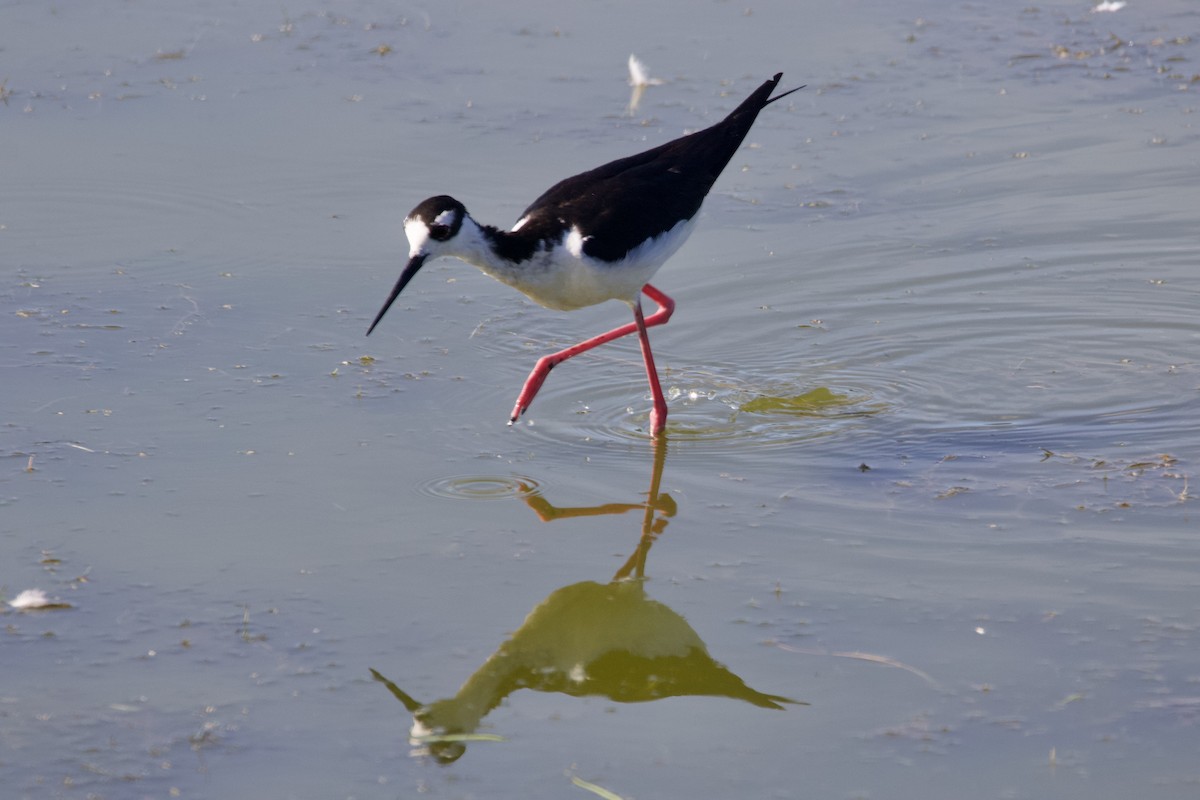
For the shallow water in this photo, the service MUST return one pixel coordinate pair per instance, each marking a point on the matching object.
(932, 376)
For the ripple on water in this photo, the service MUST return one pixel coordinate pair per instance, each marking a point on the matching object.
(480, 487)
(1032, 341)
(726, 409)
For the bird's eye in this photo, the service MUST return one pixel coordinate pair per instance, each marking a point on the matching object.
(439, 232)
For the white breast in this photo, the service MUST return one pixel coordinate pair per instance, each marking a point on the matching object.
(565, 278)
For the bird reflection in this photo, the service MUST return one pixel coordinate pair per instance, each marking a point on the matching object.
(586, 639)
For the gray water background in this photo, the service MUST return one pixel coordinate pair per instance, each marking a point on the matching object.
(933, 386)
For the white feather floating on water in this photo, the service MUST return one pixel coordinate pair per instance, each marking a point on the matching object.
(33, 599)
(30, 598)
(638, 75)
(639, 80)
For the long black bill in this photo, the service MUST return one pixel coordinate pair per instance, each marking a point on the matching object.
(410, 269)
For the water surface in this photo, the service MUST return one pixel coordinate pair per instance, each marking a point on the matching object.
(930, 466)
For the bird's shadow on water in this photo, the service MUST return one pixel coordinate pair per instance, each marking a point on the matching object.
(587, 639)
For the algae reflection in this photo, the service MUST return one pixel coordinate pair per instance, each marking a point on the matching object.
(586, 639)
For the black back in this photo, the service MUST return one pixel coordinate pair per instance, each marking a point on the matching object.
(623, 203)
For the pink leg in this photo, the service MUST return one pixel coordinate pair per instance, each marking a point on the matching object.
(658, 414)
(666, 306)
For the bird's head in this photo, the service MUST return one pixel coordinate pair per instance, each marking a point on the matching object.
(431, 228)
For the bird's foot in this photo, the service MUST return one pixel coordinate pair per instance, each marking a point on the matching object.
(658, 421)
(534, 382)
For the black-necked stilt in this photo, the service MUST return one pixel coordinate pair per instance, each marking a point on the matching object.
(598, 236)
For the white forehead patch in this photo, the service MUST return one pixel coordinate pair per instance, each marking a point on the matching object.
(418, 233)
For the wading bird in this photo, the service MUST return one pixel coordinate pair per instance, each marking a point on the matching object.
(600, 235)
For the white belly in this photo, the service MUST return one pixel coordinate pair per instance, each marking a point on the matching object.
(564, 278)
